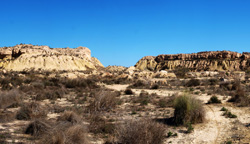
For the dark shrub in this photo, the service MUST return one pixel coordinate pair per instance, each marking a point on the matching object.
(128, 92)
(214, 99)
(188, 110)
(38, 128)
(193, 82)
(181, 72)
(213, 81)
(141, 132)
(155, 86)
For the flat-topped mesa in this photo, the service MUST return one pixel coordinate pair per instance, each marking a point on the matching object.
(209, 60)
(27, 56)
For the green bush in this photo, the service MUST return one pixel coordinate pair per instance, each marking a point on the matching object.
(188, 110)
(214, 99)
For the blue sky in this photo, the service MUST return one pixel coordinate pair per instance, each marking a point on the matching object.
(120, 32)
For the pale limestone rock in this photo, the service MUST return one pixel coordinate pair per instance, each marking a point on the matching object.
(22, 57)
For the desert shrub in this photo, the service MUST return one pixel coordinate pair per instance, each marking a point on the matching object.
(189, 128)
(144, 98)
(50, 94)
(103, 101)
(140, 132)
(140, 84)
(9, 98)
(7, 116)
(193, 82)
(228, 114)
(223, 109)
(38, 128)
(188, 110)
(163, 103)
(69, 116)
(155, 86)
(128, 91)
(80, 82)
(30, 111)
(214, 99)
(64, 133)
(240, 97)
(100, 125)
(181, 72)
(5, 83)
(213, 81)
(226, 85)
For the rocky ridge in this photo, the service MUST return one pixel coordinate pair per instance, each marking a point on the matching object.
(27, 56)
(201, 61)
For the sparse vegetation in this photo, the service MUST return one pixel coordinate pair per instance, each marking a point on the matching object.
(188, 110)
(193, 83)
(140, 132)
(31, 111)
(128, 92)
(103, 101)
(214, 100)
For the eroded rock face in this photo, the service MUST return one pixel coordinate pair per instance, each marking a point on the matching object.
(212, 60)
(25, 56)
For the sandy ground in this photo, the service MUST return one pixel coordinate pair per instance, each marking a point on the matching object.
(216, 129)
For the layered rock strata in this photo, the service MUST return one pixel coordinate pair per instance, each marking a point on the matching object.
(202, 61)
(27, 56)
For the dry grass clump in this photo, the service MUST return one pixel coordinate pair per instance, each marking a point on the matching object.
(7, 116)
(188, 110)
(103, 101)
(38, 128)
(50, 94)
(100, 125)
(65, 133)
(80, 82)
(193, 82)
(240, 96)
(9, 98)
(30, 111)
(70, 116)
(181, 72)
(140, 132)
(144, 98)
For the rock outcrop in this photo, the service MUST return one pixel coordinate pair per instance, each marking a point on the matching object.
(211, 60)
(27, 56)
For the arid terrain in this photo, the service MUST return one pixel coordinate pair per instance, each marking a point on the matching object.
(198, 98)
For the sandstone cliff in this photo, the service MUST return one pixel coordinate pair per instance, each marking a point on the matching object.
(212, 60)
(25, 56)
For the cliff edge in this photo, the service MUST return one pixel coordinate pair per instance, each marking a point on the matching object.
(201, 61)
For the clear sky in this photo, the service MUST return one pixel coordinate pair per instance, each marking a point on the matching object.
(120, 32)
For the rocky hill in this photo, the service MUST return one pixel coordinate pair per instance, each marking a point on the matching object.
(27, 56)
(210, 60)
